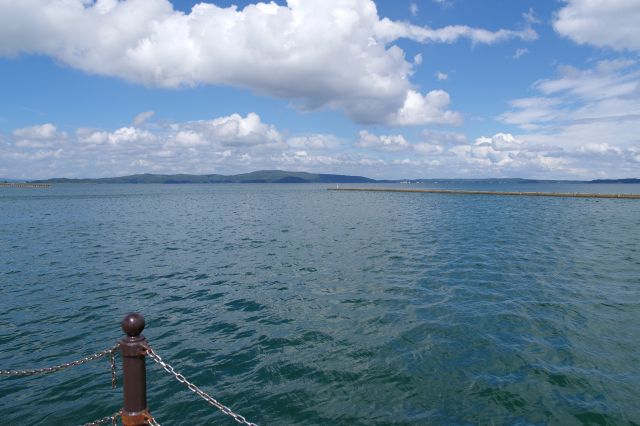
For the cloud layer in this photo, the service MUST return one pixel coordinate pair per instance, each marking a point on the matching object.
(317, 53)
(593, 114)
(597, 104)
(602, 23)
(220, 145)
(236, 143)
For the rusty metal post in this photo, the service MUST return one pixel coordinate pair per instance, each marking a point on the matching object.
(134, 375)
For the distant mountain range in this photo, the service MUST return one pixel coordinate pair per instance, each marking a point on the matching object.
(263, 176)
(280, 176)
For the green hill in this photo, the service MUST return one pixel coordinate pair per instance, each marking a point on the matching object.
(262, 176)
(281, 176)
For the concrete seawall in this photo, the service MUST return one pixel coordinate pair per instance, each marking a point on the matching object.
(25, 185)
(509, 193)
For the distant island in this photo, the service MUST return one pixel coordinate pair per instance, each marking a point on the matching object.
(262, 176)
(281, 176)
(629, 180)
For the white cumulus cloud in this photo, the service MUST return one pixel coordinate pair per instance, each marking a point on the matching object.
(502, 153)
(426, 109)
(42, 131)
(315, 141)
(231, 130)
(384, 142)
(601, 23)
(317, 53)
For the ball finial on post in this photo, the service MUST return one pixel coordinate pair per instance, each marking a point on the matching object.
(133, 324)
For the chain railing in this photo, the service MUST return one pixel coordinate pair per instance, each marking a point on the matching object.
(153, 422)
(55, 368)
(133, 349)
(113, 419)
(195, 389)
(48, 370)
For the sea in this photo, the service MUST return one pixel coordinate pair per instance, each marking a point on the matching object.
(295, 305)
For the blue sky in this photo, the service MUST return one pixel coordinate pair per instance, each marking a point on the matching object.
(387, 89)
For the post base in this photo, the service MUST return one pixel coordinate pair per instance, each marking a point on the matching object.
(136, 419)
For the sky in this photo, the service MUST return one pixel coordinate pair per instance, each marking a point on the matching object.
(386, 89)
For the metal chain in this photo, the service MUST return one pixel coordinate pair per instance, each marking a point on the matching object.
(66, 365)
(112, 363)
(193, 388)
(152, 421)
(109, 419)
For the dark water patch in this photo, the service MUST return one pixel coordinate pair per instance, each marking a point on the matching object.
(591, 418)
(503, 398)
(200, 277)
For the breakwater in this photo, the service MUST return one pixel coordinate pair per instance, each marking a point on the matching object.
(509, 193)
(24, 185)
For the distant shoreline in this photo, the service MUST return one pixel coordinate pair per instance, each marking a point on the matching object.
(508, 193)
(25, 185)
(283, 176)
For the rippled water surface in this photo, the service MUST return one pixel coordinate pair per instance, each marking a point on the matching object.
(297, 305)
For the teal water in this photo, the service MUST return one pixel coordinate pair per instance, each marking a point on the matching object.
(296, 305)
